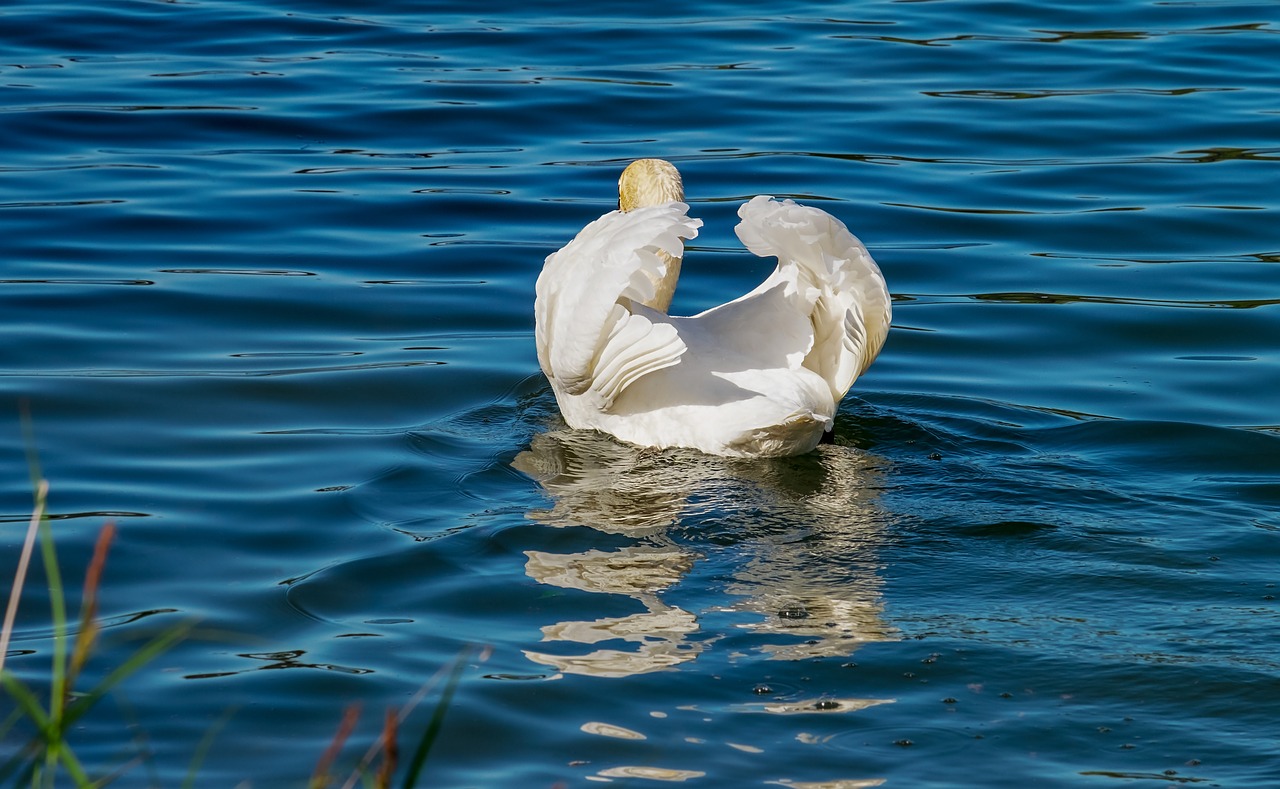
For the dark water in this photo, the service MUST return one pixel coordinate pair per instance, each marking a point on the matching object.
(266, 285)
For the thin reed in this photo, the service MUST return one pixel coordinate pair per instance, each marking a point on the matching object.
(48, 754)
(387, 742)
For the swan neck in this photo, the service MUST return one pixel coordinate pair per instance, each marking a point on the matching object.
(650, 182)
(665, 287)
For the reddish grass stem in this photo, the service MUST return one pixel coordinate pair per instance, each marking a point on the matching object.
(89, 626)
(320, 778)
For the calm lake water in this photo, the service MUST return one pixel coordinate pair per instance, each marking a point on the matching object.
(266, 284)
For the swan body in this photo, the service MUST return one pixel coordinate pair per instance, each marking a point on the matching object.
(759, 376)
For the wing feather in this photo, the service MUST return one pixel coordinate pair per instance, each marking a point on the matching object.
(591, 329)
(845, 294)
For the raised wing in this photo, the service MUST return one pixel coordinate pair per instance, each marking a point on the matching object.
(842, 287)
(592, 330)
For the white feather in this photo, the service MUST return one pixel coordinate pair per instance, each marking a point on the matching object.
(760, 375)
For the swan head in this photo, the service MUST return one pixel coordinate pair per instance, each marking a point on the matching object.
(648, 182)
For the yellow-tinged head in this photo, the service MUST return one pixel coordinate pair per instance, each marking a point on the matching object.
(649, 182)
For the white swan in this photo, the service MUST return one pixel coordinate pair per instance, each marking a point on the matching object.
(760, 376)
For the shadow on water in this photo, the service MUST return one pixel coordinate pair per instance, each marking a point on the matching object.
(790, 542)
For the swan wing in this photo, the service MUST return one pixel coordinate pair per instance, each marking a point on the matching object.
(838, 285)
(592, 330)
(767, 328)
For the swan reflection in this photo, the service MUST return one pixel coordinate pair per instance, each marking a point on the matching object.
(803, 531)
(660, 633)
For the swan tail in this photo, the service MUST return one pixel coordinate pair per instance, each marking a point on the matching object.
(795, 435)
(838, 284)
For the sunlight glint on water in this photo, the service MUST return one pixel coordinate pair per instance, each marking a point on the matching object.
(267, 282)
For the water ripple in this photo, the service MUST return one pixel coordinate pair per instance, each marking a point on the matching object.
(260, 373)
(267, 286)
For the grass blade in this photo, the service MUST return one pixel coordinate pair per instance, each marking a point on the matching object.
(390, 750)
(437, 720)
(88, 633)
(145, 654)
(323, 772)
(206, 743)
(58, 612)
(20, 576)
(27, 703)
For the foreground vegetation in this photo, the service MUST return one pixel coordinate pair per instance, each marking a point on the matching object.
(48, 758)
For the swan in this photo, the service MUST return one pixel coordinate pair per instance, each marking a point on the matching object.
(759, 376)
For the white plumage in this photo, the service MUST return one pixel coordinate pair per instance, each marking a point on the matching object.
(759, 376)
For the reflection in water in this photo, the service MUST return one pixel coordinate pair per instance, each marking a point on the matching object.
(660, 632)
(609, 730)
(803, 534)
(608, 485)
(815, 706)
(651, 773)
(864, 784)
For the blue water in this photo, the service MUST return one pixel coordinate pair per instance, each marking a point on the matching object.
(266, 285)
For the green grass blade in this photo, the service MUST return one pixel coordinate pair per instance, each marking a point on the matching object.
(148, 652)
(9, 723)
(73, 767)
(51, 736)
(57, 600)
(206, 743)
(47, 740)
(22, 759)
(437, 720)
(28, 704)
(58, 612)
(24, 754)
(29, 441)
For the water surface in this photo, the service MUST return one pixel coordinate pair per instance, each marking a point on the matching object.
(267, 289)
